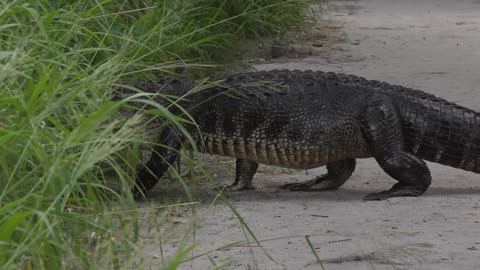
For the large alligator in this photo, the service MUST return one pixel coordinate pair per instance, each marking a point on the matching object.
(304, 119)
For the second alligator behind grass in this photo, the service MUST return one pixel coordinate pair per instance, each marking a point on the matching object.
(305, 119)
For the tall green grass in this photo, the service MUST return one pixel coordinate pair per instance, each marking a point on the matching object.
(61, 139)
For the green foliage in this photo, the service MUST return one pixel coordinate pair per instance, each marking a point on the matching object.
(65, 155)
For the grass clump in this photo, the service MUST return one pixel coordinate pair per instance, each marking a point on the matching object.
(59, 131)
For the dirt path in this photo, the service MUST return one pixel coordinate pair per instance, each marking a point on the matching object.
(429, 45)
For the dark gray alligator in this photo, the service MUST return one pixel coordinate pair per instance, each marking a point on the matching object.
(304, 119)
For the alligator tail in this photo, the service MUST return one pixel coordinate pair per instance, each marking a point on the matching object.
(440, 131)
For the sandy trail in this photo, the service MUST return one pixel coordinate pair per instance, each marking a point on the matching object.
(429, 45)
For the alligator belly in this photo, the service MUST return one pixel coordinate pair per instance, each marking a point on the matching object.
(294, 155)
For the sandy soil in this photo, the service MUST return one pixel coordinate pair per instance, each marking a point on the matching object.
(432, 45)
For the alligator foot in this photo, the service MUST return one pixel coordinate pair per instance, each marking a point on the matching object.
(398, 190)
(239, 187)
(244, 171)
(337, 174)
(320, 183)
(303, 186)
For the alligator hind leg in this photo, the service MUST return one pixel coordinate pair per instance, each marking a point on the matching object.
(383, 132)
(337, 174)
(244, 171)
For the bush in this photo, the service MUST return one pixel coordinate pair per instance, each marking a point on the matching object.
(59, 132)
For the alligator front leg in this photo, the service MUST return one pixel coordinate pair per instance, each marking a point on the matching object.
(162, 158)
(383, 132)
(338, 172)
(244, 171)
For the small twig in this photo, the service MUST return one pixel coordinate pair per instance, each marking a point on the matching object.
(343, 240)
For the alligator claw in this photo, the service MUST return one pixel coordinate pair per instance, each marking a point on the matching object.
(303, 186)
(378, 196)
(239, 187)
(396, 191)
(233, 187)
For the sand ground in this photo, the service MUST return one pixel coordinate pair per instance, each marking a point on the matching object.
(432, 45)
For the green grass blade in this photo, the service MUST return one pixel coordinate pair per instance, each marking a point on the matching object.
(310, 245)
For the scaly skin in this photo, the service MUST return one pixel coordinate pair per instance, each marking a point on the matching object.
(305, 119)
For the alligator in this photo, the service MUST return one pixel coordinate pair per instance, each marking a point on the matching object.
(307, 119)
